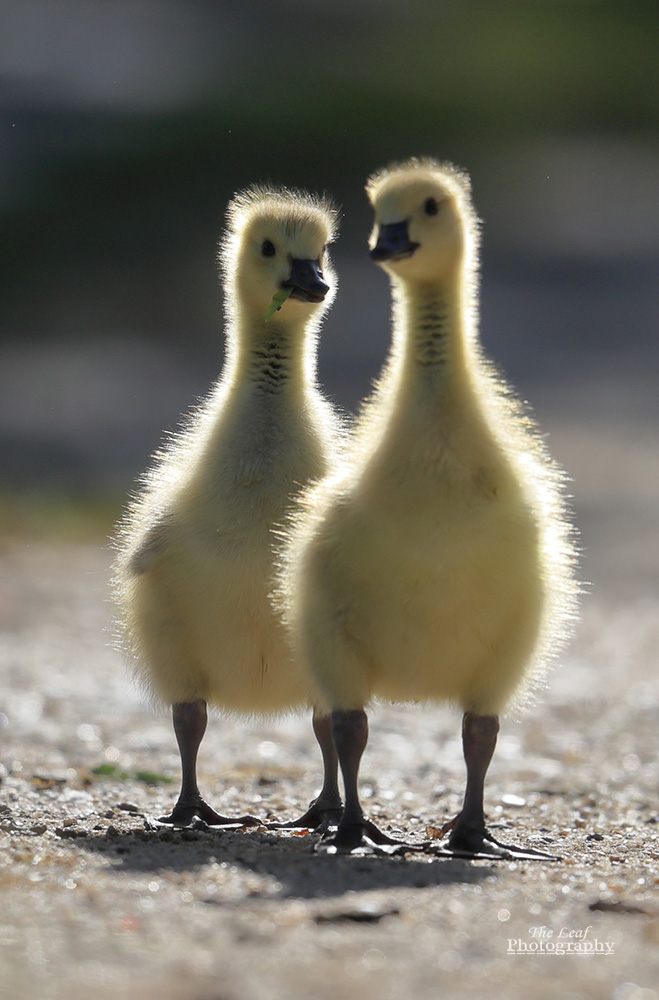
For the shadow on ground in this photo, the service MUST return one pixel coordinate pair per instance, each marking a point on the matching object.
(290, 860)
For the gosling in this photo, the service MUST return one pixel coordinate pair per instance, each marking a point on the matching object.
(196, 547)
(437, 564)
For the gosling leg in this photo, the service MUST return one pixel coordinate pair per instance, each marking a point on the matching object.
(325, 811)
(350, 731)
(190, 720)
(469, 835)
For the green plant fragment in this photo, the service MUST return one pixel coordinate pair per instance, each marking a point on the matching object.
(149, 778)
(278, 300)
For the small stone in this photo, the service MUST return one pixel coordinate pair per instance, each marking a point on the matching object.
(49, 779)
(66, 834)
(513, 800)
(367, 912)
(616, 906)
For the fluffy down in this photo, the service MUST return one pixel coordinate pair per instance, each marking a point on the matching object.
(195, 548)
(437, 563)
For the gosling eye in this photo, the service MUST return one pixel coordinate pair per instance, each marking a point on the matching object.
(268, 248)
(430, 207)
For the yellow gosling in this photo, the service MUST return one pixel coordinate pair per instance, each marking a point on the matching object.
(437, 563)
(196, 547)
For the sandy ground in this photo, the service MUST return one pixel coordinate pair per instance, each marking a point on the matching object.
(93, 904)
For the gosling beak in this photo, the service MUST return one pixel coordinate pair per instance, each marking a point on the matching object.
(393, 243)
(307, 282)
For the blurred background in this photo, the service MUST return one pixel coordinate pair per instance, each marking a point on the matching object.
(126, 126)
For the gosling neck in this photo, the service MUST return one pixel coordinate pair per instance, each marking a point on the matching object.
(273, 357)
(429, 335)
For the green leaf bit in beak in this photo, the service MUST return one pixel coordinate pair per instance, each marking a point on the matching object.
(278, 300)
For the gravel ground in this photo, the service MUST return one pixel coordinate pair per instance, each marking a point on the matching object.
(94, 903)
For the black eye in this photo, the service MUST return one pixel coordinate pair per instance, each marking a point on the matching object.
(431, 207)
(268, 249)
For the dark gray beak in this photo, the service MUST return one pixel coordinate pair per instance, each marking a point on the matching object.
(393, 243)
(307, 282)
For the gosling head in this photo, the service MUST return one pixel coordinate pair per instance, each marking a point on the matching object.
(277, 245)
(424, 222)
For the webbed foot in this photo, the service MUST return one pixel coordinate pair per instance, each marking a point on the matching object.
(319, 818)
(364, 837)
(477, 842)
(197, 814)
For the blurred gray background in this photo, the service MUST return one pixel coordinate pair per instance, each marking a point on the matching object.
(127, 125)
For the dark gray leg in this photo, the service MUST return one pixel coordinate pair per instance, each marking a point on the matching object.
(350, 729)
(469, 835)
(325, 811)
(479, 738)
(190, 719)
(330, 797)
